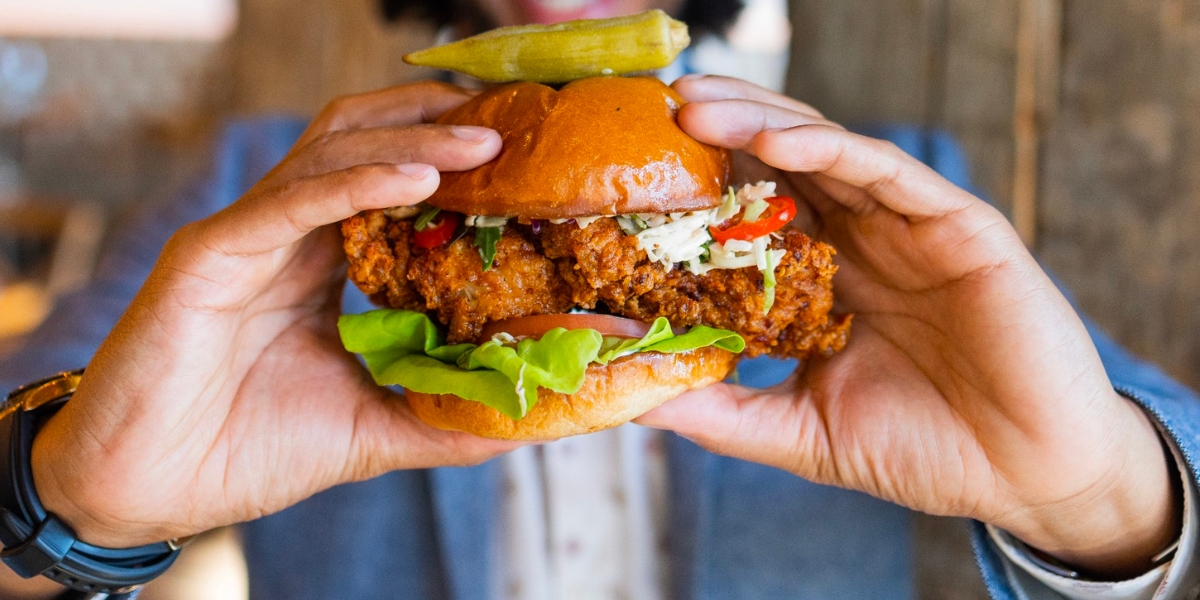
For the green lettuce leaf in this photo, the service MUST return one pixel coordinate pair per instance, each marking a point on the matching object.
(404, 348)
(660, 338)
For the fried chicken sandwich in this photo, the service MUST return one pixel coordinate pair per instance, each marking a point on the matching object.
(596, 268)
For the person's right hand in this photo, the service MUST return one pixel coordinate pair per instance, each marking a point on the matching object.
(224, 394)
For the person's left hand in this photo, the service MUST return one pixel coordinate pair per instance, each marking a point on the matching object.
(969, 386)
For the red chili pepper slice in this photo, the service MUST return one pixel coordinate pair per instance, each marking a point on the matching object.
(782, 211)
(439, 232)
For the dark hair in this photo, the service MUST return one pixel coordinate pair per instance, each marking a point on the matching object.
(702, 16)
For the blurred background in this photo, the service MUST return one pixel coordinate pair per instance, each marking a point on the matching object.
(1081, 121)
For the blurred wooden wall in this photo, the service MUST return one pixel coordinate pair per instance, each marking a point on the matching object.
(296, 56)
(1082, 122)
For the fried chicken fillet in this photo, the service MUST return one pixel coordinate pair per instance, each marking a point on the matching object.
(598, 268)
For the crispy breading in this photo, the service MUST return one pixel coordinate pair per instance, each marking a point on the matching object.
(601, 261)
(521, 282)
(598, 267)
(379, 250)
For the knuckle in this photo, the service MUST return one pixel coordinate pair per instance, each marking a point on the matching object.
(685, 84)
(888, 147)
(191, 240)
(331, 116)
(185, 234)
(289, 189)
(338, 105)
(891, 174)
(416, 92)
(319, 153)
(363, 182)
(366, 175)
(323, 141)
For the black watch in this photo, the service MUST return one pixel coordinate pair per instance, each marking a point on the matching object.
(35, 541)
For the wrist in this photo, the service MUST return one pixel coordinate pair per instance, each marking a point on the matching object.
(1117, 527)
(37, 541)
(62, 486)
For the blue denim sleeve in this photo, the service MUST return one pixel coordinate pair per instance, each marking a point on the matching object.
(79, 322)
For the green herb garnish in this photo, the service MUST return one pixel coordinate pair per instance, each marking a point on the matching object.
(485, 240)
(427, 216)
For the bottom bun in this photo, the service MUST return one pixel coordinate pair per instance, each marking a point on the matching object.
(611, 395)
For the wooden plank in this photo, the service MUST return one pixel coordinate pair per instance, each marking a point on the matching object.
(1122, 169)
(296, 56)
(1035, 100)
(978, 93)
(277, 56)
(864, 62)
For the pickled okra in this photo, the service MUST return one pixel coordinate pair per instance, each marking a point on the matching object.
(564, 51)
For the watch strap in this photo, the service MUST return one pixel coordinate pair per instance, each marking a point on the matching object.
(39, 543)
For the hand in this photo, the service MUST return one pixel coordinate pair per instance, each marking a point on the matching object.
(223, 394)
(969, 386)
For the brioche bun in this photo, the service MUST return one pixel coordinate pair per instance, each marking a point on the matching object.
(598, 146)
(611, 395)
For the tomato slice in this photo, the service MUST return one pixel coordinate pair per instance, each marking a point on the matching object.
(781, 212)
(438, 232)
(535, 326)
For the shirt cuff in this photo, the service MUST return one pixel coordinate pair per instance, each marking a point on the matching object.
(1177, 579)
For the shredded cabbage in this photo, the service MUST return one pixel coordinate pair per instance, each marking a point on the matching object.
(772, 261)
(755, 210)
(683, 238)
(404, 212)
(582, 222)
(482, 221)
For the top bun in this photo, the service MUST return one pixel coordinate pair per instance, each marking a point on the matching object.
(598, 146)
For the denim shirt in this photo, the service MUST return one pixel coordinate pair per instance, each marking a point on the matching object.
(739, 530)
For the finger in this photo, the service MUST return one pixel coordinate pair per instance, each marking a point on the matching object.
(389, 436)
(401, 105)
(756, 425)
(880, 169)
(710, 88)
(445, 147)
(272, 219)
(735, 123)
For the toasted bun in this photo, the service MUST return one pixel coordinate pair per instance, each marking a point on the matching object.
(598, 146)
(611, 395)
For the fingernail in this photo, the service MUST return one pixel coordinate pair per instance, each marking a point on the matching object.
(689, 77)
(466, 133)
(415, 170)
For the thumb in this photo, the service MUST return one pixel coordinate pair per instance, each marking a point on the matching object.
(778, 426)
(388, 436)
